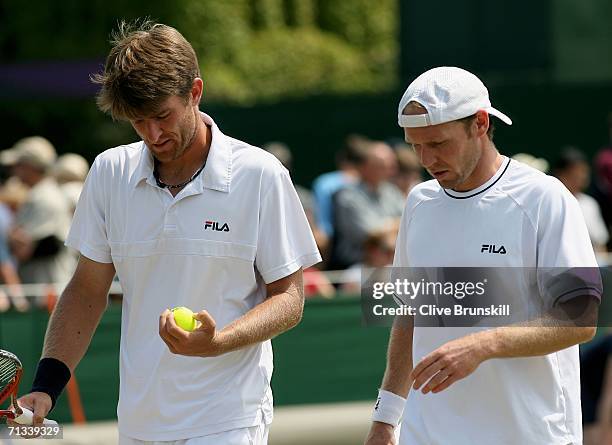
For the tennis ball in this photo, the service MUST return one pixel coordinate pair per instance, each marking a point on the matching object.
(184, 318)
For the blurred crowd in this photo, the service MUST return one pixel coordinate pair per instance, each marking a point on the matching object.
(354, 211)
(38, 194)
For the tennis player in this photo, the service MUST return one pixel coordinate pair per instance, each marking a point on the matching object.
(506, 385)
(187, 216)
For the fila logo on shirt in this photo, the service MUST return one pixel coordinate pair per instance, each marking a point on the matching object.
(492, 248)
(214, 225)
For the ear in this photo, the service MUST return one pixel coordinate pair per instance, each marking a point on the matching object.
(482, 123)
(197, 89)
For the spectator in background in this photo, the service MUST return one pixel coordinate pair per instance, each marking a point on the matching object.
(282, 152)
(12, 193)
(409, 172)
(573, 170)
(6, 213)
(325, 186)
(602, 187)
(378, 250)
(42, 222)
(371, 205)
(8, 276)
(530, 160)
(70, 171)
(602, 184)
(315, 282)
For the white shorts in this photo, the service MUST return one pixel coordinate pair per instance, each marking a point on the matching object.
(254, 435)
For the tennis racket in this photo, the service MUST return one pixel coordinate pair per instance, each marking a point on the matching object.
(10, 375)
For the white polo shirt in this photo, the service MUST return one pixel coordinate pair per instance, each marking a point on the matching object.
(527, 401)
(236, 227)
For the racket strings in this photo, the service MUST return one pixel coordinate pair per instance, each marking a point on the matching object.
(8, 370)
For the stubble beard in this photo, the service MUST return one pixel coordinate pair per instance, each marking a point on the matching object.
(468, 165)
(187, 134)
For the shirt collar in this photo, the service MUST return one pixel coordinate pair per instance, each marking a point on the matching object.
(484, 187)
(217, 173)
(144, 169)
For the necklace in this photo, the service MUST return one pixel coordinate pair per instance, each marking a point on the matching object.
(162, 184)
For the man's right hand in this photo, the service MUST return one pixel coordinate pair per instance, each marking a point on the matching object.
(37, 402)
(380, 434)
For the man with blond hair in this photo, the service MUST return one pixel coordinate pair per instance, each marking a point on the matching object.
(482, 384)
(185, 217)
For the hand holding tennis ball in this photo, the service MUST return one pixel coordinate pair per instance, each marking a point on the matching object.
(200, 337)
(183, 317)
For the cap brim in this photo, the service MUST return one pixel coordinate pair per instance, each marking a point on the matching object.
(9, 157)
(413, 120)
(495, 112)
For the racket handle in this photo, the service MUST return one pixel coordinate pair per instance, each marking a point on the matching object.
(27, 416)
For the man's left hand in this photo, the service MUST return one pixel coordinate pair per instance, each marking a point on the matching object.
(204, 341)
(452, 361)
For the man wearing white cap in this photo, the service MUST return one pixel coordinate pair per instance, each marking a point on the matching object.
(43, 220)
(503, 385)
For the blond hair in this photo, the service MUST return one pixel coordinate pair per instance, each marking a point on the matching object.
(148, 63)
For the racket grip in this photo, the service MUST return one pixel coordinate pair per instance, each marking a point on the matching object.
(27, 416)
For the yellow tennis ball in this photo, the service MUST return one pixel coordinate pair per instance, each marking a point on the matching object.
(184, 318)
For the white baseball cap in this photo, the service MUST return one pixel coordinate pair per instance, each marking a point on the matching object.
(34, 150)
(70, 167)
(448, 94)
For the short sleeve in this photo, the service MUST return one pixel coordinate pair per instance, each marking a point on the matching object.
(563, 238)
(567, 266)
(285, 242)
(88, 232)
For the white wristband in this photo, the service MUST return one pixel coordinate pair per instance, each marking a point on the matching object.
(389, 408)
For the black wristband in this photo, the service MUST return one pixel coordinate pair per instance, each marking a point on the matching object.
(51, 377)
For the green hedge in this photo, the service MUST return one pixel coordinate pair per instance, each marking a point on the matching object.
(246, 47)
(262, 50)
(289, 63)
